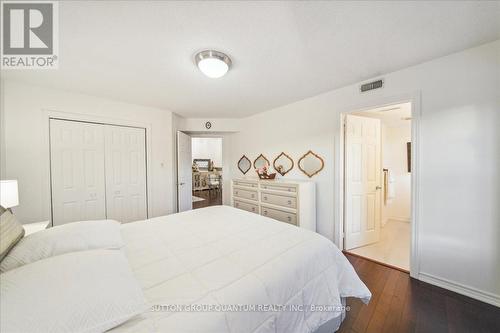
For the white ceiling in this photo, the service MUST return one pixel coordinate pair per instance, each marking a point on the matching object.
(395, 115)
(142, 52)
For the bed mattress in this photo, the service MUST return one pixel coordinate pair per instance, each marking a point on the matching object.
(220, 269)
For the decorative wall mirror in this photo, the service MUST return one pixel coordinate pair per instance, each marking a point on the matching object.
(203, 164)
(260, 162)
(310, 164)
(244, 164)
(283, 164)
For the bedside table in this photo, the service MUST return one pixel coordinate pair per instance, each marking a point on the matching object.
(34, 227)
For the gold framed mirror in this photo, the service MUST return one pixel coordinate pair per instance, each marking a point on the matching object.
(283, 164)
(244, 164)
(311, 164)
(261, 161)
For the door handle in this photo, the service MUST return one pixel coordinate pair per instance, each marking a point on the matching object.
(182, 184)
(378, 187)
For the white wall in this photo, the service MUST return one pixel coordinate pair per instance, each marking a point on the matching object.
(207, 148)
(458, 230)
(394, 158)
(2, 132)
(25, 152)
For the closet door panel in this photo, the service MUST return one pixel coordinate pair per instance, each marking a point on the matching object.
(77, 171)
(126, 173)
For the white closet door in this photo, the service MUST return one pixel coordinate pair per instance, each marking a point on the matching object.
(125, 173)
(77, 171)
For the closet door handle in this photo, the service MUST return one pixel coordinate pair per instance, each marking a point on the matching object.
(378, 187)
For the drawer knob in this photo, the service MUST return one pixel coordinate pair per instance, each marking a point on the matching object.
(289, 202)
(265, 212)
(237, 205)
(265, 198)
(289, 218)
(253, 209)
(253, 195)
(236, 192)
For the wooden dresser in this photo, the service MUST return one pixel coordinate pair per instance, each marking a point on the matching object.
(288, 201)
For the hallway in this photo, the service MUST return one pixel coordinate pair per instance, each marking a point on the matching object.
(393, 248)
(210, 198)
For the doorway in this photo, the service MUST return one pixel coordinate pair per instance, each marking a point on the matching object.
(199, 171)
(378, 185)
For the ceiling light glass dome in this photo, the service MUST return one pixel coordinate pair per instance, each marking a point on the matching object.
(213, 64)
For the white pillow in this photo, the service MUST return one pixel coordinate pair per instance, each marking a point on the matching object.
(86, 291)
(71, 237)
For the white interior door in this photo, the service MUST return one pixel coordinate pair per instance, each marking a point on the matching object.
(362, 181)
(125, 153)
(77, 171)
(184, 172)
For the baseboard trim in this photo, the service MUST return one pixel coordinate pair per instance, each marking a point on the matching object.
(480, 295)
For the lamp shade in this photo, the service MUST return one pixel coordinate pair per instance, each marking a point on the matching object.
(8, 193)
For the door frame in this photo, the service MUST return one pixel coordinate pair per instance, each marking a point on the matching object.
(414, 99)
(225, 172)
(48, 114)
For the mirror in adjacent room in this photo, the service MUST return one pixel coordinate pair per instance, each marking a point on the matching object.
(310, 164)
(283, 164)
(260, 162)
(244, 164)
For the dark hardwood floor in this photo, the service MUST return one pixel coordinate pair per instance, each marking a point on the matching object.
(212, 198)
(401, 304)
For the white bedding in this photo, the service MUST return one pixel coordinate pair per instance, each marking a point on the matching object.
(224, 256)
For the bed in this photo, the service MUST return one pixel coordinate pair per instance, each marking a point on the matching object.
(220, 269)
(216, 269)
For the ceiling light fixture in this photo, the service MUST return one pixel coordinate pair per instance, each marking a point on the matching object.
(213, 64)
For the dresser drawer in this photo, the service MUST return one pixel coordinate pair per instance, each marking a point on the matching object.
(279, 215)
(245, 184)
(274, 187)
(279, 200)
(246, 206)
(245, 194)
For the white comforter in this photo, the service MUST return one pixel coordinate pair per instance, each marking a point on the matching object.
(225, 256)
